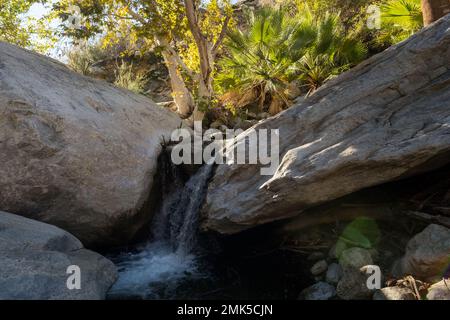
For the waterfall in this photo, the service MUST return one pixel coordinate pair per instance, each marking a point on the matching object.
(155, 269)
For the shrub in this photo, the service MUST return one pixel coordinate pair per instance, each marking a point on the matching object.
(82, 57)
(128, 78)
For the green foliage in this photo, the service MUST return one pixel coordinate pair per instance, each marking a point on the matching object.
(279, 49)
(128, 78)
(332, 51)
(362, 232)
(82, 57)
(400, 19)
(22, 30)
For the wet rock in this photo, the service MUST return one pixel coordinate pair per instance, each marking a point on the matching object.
(318, 291)
(319, 267)
(334, 273)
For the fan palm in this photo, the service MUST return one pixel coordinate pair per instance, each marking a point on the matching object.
(279, 49)
(401, 18)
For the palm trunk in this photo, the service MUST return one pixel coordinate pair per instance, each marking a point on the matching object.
(434, 10)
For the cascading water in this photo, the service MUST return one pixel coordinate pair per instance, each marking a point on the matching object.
(179, 263)
(155, 269)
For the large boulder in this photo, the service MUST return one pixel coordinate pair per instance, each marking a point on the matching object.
(76, 152)
(427, 255)
(384, 120)
(35, 257)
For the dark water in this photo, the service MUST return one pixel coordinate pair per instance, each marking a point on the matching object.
(179, 263)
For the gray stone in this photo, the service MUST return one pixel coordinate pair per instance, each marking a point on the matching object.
(334, 273)
(353, 285)
(439, 291)
(318, 291)
(76, 152)
(387, 118)
(34, 261)
(319, 267)
(427, 254)
(355, 257)
(394, 293)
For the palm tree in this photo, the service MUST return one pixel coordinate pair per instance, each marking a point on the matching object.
(278, 49)
(401, 19)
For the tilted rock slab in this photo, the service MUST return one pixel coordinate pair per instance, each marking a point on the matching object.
(34, 261)
(386, 119)
(76, 152)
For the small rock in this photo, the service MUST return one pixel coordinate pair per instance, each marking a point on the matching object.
(245, 124)
(334, 273)
(439, 291)
(427, 254)
(216, 124)
(252, 115)
(353, 285)
(318, 291)
(316, 256)
(374, 254)
(355, 258)
(319, 267)
(394, 293)
(263, 115)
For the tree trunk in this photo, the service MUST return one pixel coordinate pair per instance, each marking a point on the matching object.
(205, 94)
(434, 10)
(182, 97)
(206, 55)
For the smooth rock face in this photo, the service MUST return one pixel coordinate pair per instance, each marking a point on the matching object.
(34, 258)
(427, 255)
(76, 152)
(439, 291)
(394, 293)
(386, 119)
(318, 291)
